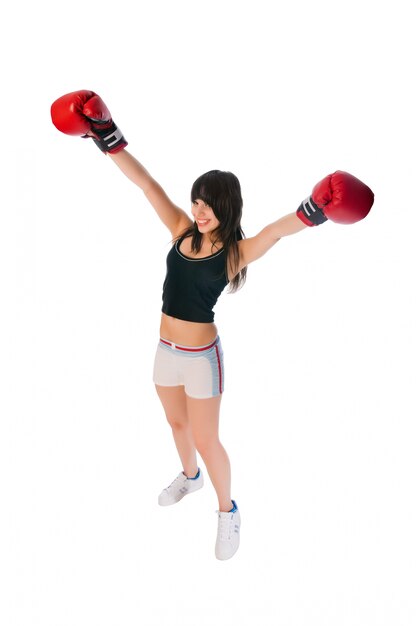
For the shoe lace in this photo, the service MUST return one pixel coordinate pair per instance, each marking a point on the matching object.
(177, 479)
(225, 523)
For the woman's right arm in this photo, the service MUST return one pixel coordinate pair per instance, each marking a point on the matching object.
(84, 113)
(174, 218)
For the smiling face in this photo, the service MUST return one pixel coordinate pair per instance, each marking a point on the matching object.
(204, 217)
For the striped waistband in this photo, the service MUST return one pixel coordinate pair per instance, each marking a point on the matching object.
(175, 346)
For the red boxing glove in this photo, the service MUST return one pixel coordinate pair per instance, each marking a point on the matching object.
(340, 197)
(80, 112)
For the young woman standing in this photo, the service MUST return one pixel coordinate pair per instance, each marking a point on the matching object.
(209, 252)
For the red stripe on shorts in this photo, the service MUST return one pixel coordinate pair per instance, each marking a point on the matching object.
(168, 343)
(219, 367)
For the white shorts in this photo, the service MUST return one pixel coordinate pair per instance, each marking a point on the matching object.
(200, 369)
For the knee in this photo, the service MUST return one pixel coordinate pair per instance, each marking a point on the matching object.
(177, 422)
(207, 447)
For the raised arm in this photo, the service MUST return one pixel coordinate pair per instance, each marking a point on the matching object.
(174, 218)
(84, 113)
(253, 248)
(340, 197)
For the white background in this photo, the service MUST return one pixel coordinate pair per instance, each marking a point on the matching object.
(318, 415)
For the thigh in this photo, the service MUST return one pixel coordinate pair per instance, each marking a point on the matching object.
(166, 368)
(174, 403)
(204, 418)
(203, 375)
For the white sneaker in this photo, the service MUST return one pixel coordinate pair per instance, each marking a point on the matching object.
(181, 486)
(228, 535)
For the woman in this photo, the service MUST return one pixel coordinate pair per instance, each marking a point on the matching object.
(209, 252)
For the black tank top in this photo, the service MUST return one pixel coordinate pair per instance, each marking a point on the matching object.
(192, 286)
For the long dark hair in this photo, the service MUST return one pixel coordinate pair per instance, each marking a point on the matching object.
(222, 192)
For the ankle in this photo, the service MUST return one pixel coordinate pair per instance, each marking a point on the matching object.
(192, 474)
(226, 506)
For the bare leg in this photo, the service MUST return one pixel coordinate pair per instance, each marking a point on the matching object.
(174, 403)
(203, 416)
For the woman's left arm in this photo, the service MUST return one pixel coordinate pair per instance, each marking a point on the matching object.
(340, 197)
(253, 248)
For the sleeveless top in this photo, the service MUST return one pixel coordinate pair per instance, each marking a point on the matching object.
(192, 286)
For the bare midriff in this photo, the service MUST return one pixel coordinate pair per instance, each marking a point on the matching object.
(187, 333)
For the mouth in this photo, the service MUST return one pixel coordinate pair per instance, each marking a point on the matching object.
(202, 222)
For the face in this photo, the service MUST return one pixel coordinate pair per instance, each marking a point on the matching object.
(204, 217)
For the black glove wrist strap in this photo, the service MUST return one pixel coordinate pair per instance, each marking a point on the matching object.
(108, 136)
(312, 212)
